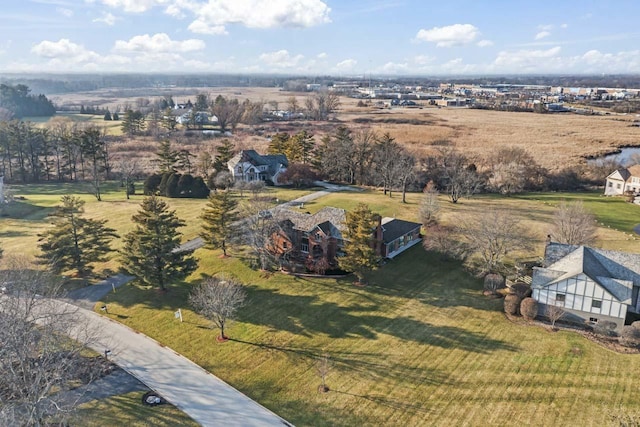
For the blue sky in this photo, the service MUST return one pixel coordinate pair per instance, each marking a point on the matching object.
(348, 37)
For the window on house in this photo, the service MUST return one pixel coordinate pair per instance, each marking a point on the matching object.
(593, 319)
(560, 297)
(239, 169)
(304, 245)
(618, 186)
(610, 184)
(284, 245)
(596, 303)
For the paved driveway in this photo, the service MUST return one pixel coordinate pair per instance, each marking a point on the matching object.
(201, 395)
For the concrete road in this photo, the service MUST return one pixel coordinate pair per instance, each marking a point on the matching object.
(88, 296)
(201, 395)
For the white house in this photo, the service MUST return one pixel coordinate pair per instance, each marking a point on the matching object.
(590, 284)
(248, 166)
(623, 180)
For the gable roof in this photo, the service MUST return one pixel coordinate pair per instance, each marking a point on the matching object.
(272, 161)
(393, 228)
(626, 173)
(616, 272)
(324, 218)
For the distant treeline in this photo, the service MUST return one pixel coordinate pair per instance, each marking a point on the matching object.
(61, 83)
(18, 101)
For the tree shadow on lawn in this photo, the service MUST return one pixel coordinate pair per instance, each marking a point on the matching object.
(426, 277)
(25, 211)
(309, 315)
(403, 405)
(375, 366)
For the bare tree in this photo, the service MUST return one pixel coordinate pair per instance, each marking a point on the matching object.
(573, 224)
(429, 209)
(554, 313)
(43, 349)
(444, 240)
(258, 228)
(492, 235)
(323, 367)
(129, 169)
(218, 299)
(460, 176)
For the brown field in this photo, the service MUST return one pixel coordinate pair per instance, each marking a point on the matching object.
(556, 140)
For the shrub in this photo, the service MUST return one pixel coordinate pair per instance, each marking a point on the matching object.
(151, 184)
(521, 289)
(630, 335)
(605, 328)
(493, 282)
(529, 308)
(511, 304)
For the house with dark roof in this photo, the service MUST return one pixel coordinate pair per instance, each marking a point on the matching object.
(398, 235)
(249, 166)
(622, 181)
(591, 285)
(308, 238)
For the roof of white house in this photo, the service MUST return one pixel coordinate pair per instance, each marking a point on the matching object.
(617, 272)
(625, 174)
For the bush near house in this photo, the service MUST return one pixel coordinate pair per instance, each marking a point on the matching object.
(511, 304)
(529, 308)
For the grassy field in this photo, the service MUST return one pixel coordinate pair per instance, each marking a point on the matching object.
(128, 410)
(419, 345)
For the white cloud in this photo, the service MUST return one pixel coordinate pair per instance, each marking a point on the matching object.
(424, 59)
(322, 55)
(545, 27)
(542, 34)
(64, 11)
(452, 35)
(134, 6)
(564, 26)
(346, 65)
(200, 27)
(281, 59)
(158, 43)
(527, 60)
(394, 68)
(260, 14)
(484, 43)
(63, 48)
(106, 18)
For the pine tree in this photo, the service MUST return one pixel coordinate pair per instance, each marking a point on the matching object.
(150, 251)
(107, 116)
(225, 152)
(360, 254)
(167, 158)
(218, 220)
(74, 242)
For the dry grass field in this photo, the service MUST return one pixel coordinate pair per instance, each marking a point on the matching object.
(555, 140)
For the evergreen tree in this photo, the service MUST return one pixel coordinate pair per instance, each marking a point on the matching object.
(279, 143)
(74, 242)
(150, 251)
(225, 152)
(218, 220)
(107, 116)
(359, 247)
(167, 158)
(116, 116)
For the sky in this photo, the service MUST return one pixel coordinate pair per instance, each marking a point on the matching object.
(316, 37)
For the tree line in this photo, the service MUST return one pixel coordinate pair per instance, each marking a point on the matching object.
(18, 102)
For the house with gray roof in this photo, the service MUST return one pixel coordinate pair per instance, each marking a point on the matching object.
(398, 235)
(249, 166)
(623, 180)
(589, 284)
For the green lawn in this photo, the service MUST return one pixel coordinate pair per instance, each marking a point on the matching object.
(128, 410)
(420, 345)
